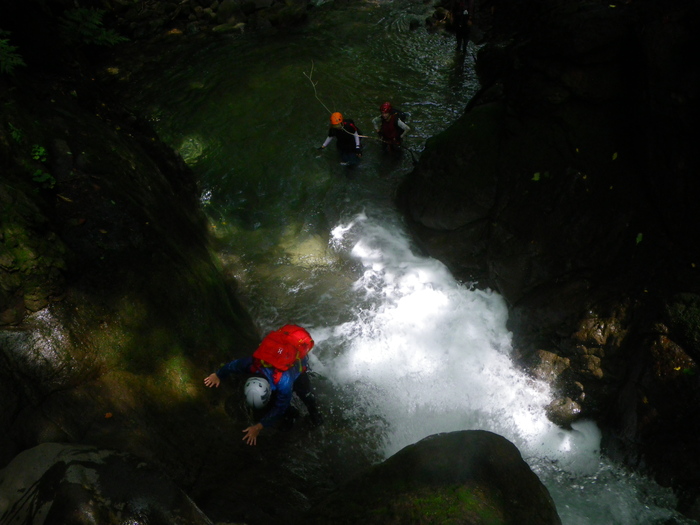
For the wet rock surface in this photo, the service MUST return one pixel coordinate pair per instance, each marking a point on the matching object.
(98, 347)
(474, 477)
(569, 186)
(58, 483)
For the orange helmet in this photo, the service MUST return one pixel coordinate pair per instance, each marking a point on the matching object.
(336, 118)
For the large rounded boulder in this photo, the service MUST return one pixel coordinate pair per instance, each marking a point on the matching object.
(471, 477)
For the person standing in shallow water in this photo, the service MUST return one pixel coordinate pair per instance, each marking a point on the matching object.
(390, 127)
(347, 136)
(462, 18)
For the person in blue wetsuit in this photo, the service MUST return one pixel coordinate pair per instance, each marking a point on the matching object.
(272, 385)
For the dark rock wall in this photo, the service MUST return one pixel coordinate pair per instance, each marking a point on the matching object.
(112, 303)
(569, 185)
(114, 299)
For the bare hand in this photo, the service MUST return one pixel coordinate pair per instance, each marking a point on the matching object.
(251, 434)
(212, 380)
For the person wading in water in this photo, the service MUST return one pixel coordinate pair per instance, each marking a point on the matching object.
(390, 127)
(347, 137)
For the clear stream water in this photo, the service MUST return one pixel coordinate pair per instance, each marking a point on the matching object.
(406, 350)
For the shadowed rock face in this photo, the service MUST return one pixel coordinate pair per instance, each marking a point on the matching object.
(570, 186)
(143, 312)
(556, 165)
(57, 483)
(473, 477)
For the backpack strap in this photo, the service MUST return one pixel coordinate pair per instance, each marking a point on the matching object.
(259, 365)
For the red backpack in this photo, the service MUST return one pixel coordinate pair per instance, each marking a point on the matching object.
(281, 348)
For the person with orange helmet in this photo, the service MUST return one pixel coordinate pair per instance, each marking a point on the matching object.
(348, 139)
(390, 125)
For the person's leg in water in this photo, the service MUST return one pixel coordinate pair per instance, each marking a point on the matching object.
(289, 418)
(462, 34)
(349, 158)
(385, 143)
(465, 38)
(302, 388)
(393, 149)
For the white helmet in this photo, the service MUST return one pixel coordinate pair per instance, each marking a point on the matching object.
(257, 392)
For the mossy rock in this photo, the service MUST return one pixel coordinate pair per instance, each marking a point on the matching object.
(684, 322)
(469, 477)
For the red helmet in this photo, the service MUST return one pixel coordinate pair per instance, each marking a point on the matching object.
(385, 108)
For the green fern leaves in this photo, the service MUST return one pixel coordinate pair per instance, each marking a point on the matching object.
(84, 25)
(9, 58)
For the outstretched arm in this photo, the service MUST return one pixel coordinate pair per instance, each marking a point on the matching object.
(358, 144)
(251, 434)
(239, 366)
(212, 380)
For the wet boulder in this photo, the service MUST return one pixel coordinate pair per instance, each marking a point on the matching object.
(60, 483)
(470, 476)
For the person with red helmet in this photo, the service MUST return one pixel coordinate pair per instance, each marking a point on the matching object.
(348, 139)
(390, 125)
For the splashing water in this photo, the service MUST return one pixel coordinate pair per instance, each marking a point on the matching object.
(426, 354)
(434, 351)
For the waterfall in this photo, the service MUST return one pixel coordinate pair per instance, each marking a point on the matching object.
(426, 354)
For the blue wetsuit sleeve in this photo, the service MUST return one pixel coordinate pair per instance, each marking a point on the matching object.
(283, 399)
(239, 366)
